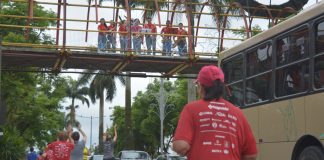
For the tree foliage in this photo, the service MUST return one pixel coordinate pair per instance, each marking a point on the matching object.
(146, 122)
(11, 144)
(33, 104)
(242, 33)
(102, 86)
(16, 34)
(31, 100)
(75, 91)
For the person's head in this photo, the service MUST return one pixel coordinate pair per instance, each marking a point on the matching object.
(149, 20)
(136, 21)
(40, 153)
(31, 149)
(168, 23)
(107, 137)
(75, 136)
(112, 22)
(102, 21)
(180, 25)
(211, 82)
(61, 136)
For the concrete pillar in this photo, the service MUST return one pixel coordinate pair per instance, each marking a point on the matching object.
(192, 91)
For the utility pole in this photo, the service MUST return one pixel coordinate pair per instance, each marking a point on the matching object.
(2, 103)
(90, 131)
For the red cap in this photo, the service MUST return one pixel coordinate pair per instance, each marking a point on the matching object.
(208, 74)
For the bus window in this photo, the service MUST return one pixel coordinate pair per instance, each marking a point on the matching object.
(258, 89)
(282, 51)
(259, 60)
(233, 69)
(236, 94)
(320, 38)
(319, 72)
(293, 47)
(293, 79)
(299, 45)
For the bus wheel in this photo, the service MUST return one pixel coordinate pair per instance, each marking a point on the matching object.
(311, 153)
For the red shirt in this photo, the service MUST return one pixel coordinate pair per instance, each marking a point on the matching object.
(215, 130)
(102, 27)
(181, 32)
(61, 150)
(167, 30)
(150, 26)
(136, 29)
(122, 28)
(112, 27)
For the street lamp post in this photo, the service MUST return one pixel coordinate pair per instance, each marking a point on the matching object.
(162, 111)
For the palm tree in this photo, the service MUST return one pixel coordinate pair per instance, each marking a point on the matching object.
(100, 82)
(75, 91)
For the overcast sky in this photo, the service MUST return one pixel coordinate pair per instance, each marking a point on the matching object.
(138, 84)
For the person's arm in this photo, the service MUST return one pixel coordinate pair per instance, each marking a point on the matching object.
(104, 136)
(69, 133)
(161, 33)
(83, 134)
(115, 136)
(181, 147)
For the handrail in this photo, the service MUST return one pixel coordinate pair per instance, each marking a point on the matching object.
(83, 30)
(79, 20)
(89, 48)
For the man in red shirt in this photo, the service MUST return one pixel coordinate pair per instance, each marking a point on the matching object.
(150, 39)
(166, 38)
(181, 40)
(213, 128)
(62, 148)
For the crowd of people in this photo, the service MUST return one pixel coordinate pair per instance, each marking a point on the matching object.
(68, 146)
(107, 37)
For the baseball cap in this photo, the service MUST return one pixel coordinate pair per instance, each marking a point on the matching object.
(208, 74)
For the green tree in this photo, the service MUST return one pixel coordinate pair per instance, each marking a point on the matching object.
(75, 91)
(100, 83)
(255, 30)
(31, 100)
(17, 34)
(146, 122)
(12, 144)
(33, 103)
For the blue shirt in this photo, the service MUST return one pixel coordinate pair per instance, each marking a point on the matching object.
(32, 156)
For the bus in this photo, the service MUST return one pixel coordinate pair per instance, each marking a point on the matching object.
(277, 79)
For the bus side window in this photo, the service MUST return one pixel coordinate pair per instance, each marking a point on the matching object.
(258, 88)
(320, 38)
(299, 45)
(282, 51)
(233, 69)
(319, 72)
(292, 79)
(236, 96)
(252, 64)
